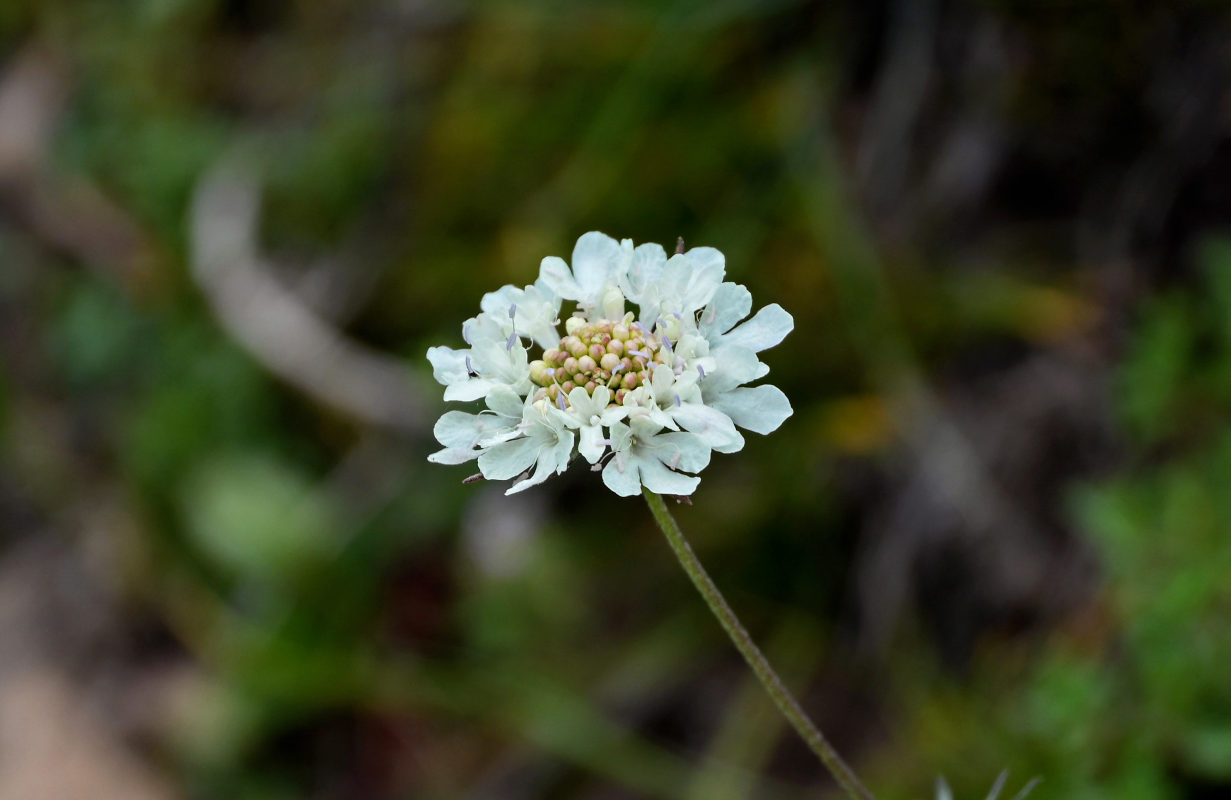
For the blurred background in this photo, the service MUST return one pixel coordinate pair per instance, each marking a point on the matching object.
(994, 535)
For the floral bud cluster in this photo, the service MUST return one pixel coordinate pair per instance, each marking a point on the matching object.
(644, 396)
(618, 355)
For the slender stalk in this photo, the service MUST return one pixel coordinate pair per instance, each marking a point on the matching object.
(781, 696)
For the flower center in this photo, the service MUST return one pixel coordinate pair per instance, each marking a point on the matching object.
(619, 355)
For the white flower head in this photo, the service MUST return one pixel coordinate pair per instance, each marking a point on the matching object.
(650, 393)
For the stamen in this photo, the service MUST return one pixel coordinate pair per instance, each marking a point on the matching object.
(701, 371)
(509, 345)
(560, 401)
(470, 370)
(475, 478)
(641, 353)
(677, 401)
(675, 460)
(677, 315)
(512, 311)
(466, 334)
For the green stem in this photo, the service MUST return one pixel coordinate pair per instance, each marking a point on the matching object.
(781, 696)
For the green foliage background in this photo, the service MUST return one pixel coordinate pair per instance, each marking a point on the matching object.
(346, 621)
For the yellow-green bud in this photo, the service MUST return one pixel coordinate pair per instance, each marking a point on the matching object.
(608, 361)
(586, 364)
(573, 323)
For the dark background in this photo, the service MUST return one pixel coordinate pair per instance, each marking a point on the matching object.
(994, 535)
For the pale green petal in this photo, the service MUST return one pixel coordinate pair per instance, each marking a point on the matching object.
(734, 366)
(760, 409)
(657, 478)
(597, 261)
(448, 365)
(767, 328)
(504, 461)
(645, 269)
(590, 445)
(714, 427)
(556, 275)
(731, 303)
(454, 455)
(472, 389)
(621, 476)
(542, 471)
(458, 429)
(505, 402)
(683, 451)
(708, 258)
(688, 285)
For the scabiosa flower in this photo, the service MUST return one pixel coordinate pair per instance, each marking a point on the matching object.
(646, 394)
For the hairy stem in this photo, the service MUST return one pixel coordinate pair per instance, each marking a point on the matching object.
(781, 696)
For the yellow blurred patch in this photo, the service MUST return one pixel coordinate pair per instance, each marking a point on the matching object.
(1048, 315)
(857, 425)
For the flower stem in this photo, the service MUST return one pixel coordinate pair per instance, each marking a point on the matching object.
(781, 696)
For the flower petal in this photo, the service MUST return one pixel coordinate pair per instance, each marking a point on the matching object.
(646, 268)
(458, 429)
(686, 452)
(472, 389)
(505, 402)
(448, 365)
(760, 409)
(711, 425)
(730, 304)
(687, 285)
(657, 478)
(554, 272)
(591, 444)
(734, 366)
(769, 326)
(622, 476)
(597, 260)
(508, 459)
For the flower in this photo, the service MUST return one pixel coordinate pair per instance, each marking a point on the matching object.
(646, 395)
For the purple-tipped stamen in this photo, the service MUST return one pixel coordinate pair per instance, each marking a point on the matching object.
(512, 311)
(512, 339)
(641, 353)
(677, 401)
(466, 334)
(470, 370)
(677, 315)
(701, 371)
(560, 401)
